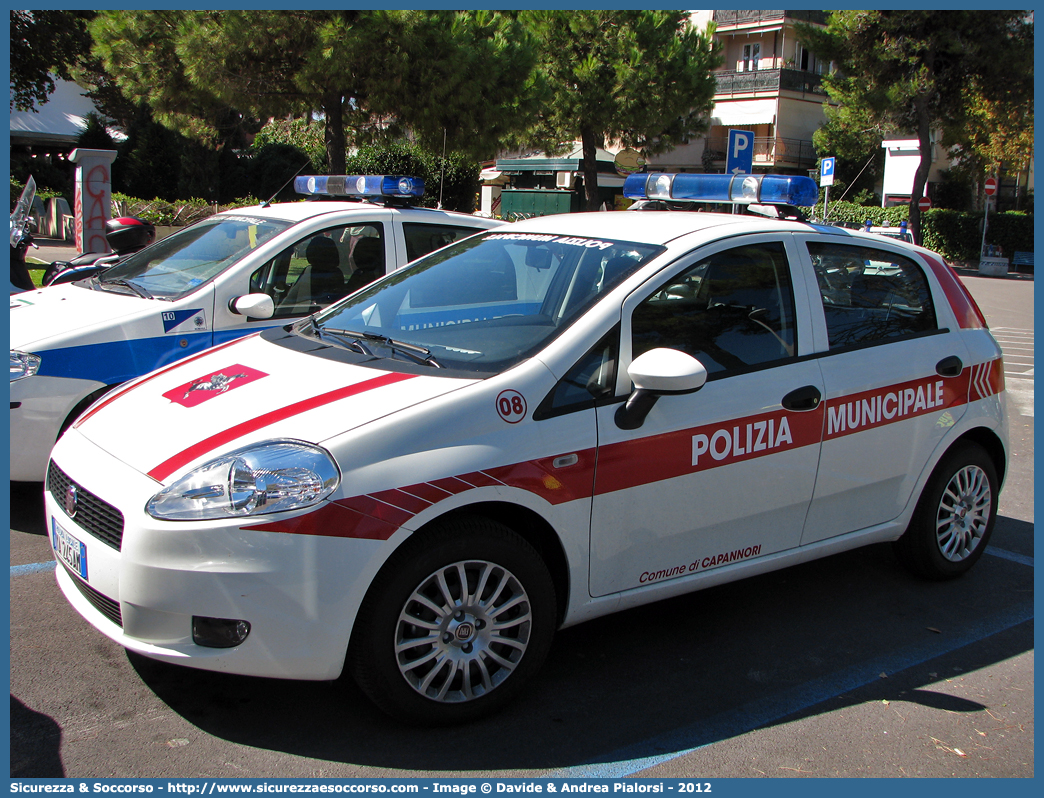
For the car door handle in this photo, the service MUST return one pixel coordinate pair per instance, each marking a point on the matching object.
(949, 366)
(803, 399)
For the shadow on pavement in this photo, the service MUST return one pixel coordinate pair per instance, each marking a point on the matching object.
(35, 743)
(667, 677)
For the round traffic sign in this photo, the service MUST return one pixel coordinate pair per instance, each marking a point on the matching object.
(991, 186)
(924, 203)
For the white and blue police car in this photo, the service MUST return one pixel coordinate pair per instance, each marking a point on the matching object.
(227, 276)
(544, 423)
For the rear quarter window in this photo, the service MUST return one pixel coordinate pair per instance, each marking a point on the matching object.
(424, 238)
(870, 295)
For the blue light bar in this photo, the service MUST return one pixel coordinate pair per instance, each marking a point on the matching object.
(359, 185)
(761, 189)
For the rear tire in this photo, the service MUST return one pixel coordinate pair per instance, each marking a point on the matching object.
(454, 624)
(954, 517)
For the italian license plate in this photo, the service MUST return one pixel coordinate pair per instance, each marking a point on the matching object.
(68, 549)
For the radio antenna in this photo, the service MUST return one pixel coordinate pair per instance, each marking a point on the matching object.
(268, 202)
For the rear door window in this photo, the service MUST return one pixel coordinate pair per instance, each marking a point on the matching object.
(870, 295)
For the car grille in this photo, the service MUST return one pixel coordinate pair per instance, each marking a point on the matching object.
(95, 516)
(105, 605)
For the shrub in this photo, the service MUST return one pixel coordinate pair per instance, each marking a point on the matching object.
(1012, 231)
(852, 213)
(953, 234)
(163, 213)
(457, 174)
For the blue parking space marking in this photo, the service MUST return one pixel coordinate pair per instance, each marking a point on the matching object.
(1009, 555)
(33, 568)
(770, 709)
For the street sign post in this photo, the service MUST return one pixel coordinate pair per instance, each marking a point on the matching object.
(990, 187)
(740, 158)
(826, 180)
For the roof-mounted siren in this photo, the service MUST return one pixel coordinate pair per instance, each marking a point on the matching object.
(786, 191)
(386, 187)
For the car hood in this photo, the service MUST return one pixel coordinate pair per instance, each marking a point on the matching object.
(49, 316)
(250, 390)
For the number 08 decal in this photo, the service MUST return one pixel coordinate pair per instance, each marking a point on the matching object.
(511, 406)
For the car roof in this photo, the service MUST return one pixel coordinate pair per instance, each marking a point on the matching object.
(647, 227)
(663, 227)
(651, 227)
(308, 209)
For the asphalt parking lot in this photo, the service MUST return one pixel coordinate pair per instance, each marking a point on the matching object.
(842, 667)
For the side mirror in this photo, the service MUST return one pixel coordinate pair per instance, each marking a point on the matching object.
(257, 306)
(656, 373)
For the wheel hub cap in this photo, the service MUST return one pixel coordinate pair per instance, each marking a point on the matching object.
(463, 631)
(964, 513)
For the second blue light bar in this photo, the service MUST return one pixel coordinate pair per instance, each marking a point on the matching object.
(692, 187)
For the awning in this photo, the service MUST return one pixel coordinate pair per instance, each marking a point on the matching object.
(744, 112)
(58, 121)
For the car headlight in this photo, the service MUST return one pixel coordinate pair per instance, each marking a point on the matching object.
(23, 364)
(269, 477)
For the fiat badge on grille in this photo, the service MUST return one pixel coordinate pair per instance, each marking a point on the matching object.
(71, 499)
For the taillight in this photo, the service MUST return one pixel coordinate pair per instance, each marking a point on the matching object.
(969, 317)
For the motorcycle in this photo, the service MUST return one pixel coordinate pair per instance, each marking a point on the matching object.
(22, 238)
(125, 234)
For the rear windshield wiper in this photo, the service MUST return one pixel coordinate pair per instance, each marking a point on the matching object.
(418, 354)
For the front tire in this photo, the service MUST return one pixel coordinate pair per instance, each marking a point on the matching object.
(455, 623)
(954, 517)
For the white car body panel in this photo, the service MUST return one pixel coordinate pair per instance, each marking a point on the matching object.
(414, 445)
(104, 338)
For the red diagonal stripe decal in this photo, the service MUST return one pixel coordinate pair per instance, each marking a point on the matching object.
(169, 466)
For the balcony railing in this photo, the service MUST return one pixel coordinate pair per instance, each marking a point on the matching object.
(761, 17)
(768, 80)
(768, 151)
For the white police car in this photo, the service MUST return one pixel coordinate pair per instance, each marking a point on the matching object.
(230, 275)
(545, 423)
(901, 232)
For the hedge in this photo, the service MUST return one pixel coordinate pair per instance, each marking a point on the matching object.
(954, 234)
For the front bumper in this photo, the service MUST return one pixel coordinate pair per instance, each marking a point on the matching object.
(39, 407)
(300, 593)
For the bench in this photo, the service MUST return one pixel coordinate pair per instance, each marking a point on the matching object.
(1022, 259)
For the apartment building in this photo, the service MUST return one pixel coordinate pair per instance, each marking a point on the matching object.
(769, 84)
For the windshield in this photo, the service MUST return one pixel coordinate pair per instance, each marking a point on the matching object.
(484, 304)
(180, 263)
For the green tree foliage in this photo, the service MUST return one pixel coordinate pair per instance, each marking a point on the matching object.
(917, 72)
(93, 134)
(459, 81)
(44, 43)
(149, 160)
(139, 52)
(639, 78)
(302, 134)
(452, 181)
(463, 76)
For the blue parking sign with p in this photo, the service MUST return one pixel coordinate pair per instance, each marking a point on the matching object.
(826, 172)
(740, 158)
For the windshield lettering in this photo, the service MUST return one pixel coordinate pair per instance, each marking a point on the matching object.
(571, 241)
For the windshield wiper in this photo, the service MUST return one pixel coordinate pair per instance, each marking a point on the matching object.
(349, 337)
(418, 354)
(137, 289)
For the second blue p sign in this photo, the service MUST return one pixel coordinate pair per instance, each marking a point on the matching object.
(740, 157)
